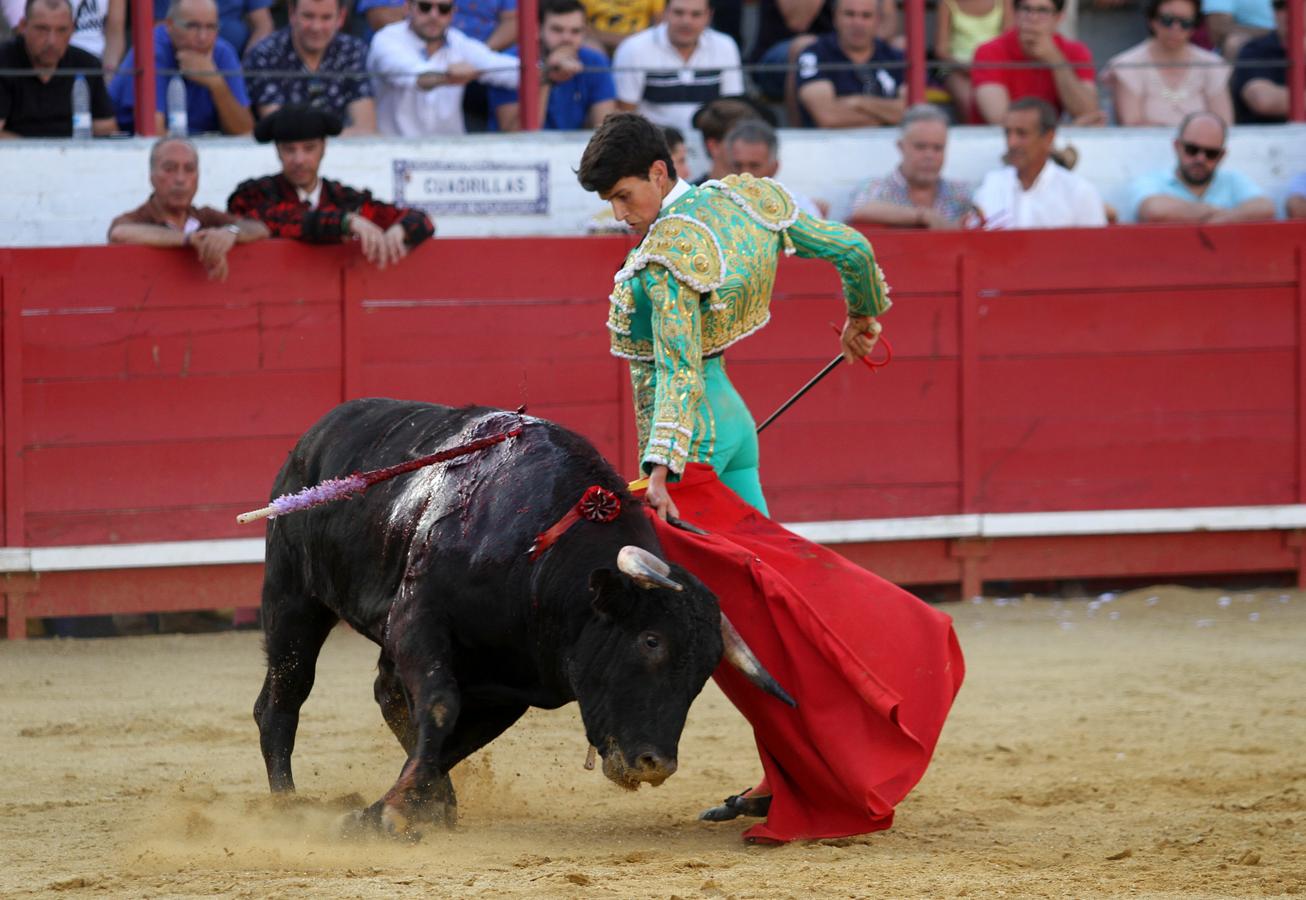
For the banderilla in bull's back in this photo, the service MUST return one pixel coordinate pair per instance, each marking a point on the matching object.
(334, 489)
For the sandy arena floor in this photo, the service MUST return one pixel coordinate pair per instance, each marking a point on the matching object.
(1147, 745)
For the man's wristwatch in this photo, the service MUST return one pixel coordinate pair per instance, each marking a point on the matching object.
(234, 229)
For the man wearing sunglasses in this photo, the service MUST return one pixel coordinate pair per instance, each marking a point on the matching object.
(421, 66)
(1003, 70)
(1260, 79)
(1197, 190)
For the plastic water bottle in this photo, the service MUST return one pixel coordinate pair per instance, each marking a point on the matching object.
(176, 103)
(81, 108)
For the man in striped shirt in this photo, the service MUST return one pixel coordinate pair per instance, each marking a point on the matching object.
(668, 71)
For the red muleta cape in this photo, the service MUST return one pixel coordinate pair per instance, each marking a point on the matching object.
(873, 668)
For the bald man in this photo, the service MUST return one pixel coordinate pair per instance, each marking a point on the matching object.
(188, 42)
(1197, 189)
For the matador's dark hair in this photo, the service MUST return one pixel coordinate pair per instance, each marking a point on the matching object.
(625, 144)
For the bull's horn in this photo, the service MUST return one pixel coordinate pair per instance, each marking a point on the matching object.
(743, 659)
(646, 569)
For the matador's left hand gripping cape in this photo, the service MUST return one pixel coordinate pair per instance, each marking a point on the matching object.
(700, 281)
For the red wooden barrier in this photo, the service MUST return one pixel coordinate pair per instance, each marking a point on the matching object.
(1113, 369)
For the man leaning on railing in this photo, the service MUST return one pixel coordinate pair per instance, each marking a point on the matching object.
(169, 218)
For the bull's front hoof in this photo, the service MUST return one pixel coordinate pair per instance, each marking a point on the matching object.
(384, 820)
(377, 821)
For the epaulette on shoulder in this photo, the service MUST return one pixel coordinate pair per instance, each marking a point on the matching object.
(765, 201)
(686, 247)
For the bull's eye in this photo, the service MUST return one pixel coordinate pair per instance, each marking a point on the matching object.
(651, 647)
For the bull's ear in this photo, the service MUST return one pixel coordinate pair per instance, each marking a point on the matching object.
(607, 587)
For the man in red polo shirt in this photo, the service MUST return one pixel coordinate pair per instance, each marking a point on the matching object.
(1067, 82)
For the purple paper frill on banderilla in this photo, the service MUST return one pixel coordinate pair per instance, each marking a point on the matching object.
(326, 492)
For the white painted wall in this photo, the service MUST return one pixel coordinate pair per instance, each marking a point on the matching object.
(61, 193)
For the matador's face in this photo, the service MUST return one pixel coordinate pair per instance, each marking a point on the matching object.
(637, 200)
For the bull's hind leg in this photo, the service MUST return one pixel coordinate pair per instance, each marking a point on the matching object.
(294, 630)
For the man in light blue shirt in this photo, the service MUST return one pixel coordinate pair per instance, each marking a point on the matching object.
(1231, 23)
(1196, 190)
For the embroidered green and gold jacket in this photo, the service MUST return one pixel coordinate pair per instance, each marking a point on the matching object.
(700, 281)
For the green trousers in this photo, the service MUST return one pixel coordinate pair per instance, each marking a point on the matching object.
(734, 452)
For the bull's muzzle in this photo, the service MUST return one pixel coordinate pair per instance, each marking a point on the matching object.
(645, 766)
(646, 570)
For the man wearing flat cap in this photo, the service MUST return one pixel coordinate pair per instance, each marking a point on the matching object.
(299, 204)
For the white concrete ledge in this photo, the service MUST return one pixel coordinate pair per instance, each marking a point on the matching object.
(1057, 524)
(71, 190)
(990, 525)
(131, 556)
(914, 529)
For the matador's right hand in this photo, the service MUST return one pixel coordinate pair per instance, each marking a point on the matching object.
(859, 336)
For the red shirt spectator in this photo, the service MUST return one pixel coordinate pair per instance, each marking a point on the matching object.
(1067, 83)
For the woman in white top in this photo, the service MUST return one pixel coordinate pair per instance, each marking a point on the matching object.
(1166, 77)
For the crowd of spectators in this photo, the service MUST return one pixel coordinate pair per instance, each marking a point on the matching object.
(417, 68)
(426, 67)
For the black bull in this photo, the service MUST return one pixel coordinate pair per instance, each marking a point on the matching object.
(435, 567)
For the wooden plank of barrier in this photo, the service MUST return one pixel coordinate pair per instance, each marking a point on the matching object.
(968, 399)
(11, 389)
(1108, 260)
(1301, 377)
(104, 592)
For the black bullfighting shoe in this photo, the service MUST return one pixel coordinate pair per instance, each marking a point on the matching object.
(735, 806)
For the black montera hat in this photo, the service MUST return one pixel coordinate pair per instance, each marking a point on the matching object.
(297, 122)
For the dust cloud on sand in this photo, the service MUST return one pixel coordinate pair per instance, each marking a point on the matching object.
(1146, 745)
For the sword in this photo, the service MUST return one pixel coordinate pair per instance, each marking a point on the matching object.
(829, 367)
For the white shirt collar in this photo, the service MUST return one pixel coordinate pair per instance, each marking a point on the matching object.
(1044, 179)
(680, 190)
(311, 196)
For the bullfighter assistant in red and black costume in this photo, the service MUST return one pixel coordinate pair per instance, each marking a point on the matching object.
(299, 204)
